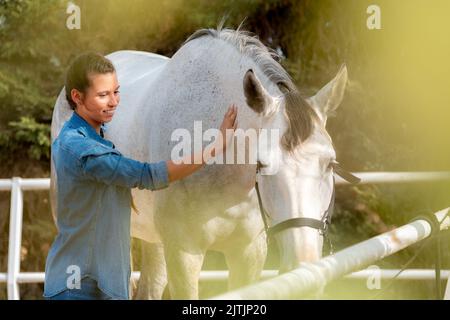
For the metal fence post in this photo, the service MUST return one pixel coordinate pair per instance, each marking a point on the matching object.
(15, 239)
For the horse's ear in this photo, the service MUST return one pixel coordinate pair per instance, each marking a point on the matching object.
(257, 97)
(328, 99)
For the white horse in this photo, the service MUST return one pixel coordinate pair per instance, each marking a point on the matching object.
(217, 207)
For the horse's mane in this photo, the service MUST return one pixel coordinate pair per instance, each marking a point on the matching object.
(300, 115)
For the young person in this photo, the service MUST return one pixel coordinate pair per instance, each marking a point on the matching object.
(94, 182)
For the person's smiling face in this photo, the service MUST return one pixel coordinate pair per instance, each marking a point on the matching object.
(100, 100)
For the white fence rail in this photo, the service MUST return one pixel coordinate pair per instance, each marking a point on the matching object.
(13, 276)
(313, 276)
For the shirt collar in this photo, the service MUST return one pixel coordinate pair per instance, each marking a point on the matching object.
(77, 122)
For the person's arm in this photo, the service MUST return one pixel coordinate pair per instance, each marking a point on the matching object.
(106, 165)
(188, 167)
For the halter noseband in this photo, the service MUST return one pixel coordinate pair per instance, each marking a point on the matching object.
(322, 224)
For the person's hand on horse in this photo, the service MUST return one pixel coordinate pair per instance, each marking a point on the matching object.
(229, 123)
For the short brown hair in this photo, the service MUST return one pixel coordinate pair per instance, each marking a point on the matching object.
(79, 70)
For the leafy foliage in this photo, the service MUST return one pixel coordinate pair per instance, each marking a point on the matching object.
(28, 131)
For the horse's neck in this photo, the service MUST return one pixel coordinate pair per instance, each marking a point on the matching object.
(137, 71)
(198, 84)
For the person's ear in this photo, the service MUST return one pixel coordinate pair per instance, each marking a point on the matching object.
(76, 96)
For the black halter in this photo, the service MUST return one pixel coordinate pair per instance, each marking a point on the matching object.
(321, 225)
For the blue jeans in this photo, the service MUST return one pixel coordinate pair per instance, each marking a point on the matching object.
(88, 291)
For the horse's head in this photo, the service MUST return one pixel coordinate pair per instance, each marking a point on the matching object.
(297, 171)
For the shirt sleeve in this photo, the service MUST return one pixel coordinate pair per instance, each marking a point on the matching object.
(108, 166)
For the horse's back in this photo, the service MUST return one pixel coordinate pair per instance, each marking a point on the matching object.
(131, 66)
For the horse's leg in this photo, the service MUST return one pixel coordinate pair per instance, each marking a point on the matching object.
(153, 278)
(183, 270)
(245, 263)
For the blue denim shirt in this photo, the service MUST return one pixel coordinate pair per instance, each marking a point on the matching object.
(94, 184)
